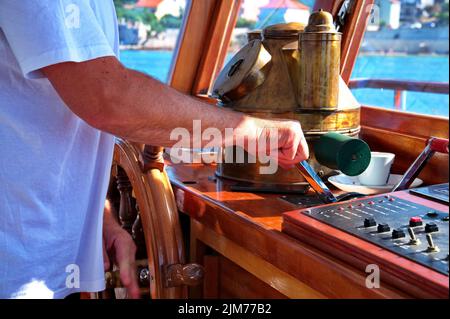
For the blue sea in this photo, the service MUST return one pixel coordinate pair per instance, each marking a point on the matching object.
(414, 68)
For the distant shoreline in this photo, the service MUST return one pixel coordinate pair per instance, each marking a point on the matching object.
(395, 54)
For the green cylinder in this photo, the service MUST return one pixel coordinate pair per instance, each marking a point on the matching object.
(349, 155)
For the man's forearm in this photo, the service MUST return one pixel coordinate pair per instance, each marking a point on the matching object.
(148, 111)
(133, 105)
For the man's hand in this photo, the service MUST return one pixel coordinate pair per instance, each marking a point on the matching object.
(282, 140)
(119, 248)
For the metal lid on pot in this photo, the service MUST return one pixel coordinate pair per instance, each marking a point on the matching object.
(283, 30)
(245, 72)
(320, 21)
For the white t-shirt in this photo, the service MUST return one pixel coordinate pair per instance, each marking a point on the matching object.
(54, 168)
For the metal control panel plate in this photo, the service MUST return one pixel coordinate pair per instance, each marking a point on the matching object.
(437, 193)
(388, 221)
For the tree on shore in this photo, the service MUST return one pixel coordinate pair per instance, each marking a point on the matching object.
(439, 12)
(144, 15)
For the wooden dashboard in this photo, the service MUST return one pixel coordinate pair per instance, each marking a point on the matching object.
(238, 238)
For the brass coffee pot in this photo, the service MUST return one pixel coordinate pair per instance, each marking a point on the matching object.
(288, 71)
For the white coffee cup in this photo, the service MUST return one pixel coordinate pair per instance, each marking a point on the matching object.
(379, 170)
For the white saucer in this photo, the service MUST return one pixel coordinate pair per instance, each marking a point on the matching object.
(352, 184)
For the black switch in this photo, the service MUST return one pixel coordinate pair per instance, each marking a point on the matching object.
(383, 228)
(370, 222)
(431, 228)
(398, 233)
(432, 214)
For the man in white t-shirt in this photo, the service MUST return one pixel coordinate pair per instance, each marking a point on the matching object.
(63, 95)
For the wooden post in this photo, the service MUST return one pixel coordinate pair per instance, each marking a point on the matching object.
(127, 213)
(203, 43)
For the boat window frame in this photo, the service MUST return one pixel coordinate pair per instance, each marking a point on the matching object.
(203, 43)
(202, 49)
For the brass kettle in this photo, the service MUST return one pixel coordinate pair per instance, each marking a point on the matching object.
(289, 71)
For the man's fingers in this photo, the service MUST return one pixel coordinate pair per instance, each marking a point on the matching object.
(125, 259)
(289, 152)
(303, 149)
(293, 145)
(106, 262)
(133, 287)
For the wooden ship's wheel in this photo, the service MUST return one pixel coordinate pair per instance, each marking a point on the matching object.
(142, 197)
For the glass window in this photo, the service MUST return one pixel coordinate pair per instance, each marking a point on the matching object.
(149, 32)
(258, 14)
(406, 42)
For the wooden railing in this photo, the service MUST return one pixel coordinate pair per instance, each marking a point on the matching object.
(400, 87)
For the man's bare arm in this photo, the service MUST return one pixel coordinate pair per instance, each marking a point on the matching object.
(137, 107)
(130, 104)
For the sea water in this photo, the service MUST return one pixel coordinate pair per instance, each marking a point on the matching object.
(411, 68)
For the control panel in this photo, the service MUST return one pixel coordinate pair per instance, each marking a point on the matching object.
(405, 223)
(412, 230)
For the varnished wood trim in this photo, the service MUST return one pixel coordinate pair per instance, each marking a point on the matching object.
(224, 21)
(418, 125)
(203, 44)
(353, 35)
(254, 223)
(191, 44)
(211, 283)
(236, 283)
(405, 134)
(266, 272)
(407, 148)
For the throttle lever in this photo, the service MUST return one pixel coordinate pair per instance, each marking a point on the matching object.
(316, 182)
(434, 145)
(322, 191)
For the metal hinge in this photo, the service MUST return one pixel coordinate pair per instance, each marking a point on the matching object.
(343, 13)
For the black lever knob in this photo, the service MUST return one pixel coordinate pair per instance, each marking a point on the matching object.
(398, 233)
(383, 228)
(370, 222)
(431, 228)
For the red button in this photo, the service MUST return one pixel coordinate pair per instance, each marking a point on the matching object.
(415, 221)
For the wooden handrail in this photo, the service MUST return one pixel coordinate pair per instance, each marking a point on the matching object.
(400, 85)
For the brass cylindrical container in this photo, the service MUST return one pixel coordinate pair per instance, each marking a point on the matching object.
(320, 54)
(276, 94)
